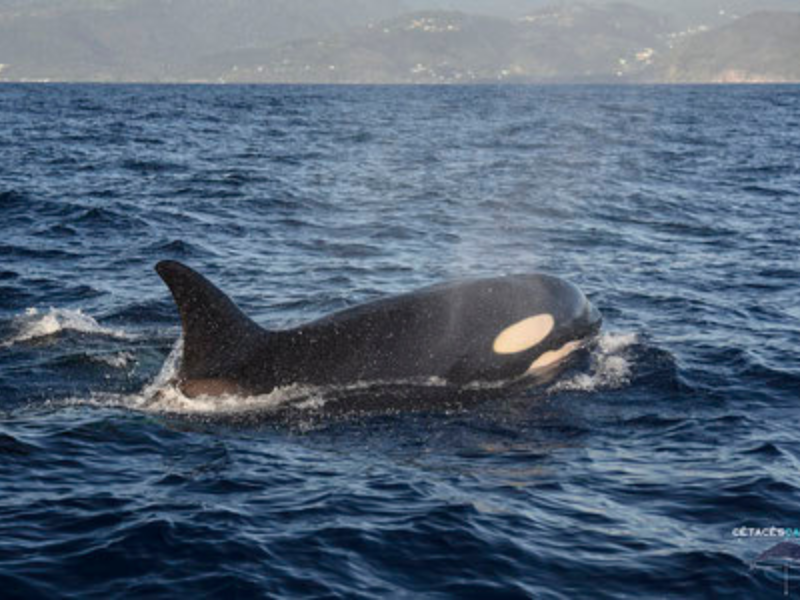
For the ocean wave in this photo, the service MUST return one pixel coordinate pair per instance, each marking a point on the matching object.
(104, 217)
(116, 360)
(177, 248)
(23, 252)
(11, 445)
(152, 166)
(12, 197)
(34, 325)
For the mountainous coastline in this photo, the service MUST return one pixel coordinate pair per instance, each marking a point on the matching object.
(377, 41)
(158, 40)
(560, 45)
(763, 47)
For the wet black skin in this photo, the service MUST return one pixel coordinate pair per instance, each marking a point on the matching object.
(445, 331)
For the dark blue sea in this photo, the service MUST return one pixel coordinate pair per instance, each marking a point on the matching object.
(676, 209)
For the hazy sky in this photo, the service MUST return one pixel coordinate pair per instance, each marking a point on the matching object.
(691, 8)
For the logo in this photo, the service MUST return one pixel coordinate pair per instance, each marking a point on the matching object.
(783, 555)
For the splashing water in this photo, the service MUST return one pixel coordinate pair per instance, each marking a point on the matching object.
(163, 396)
(611, 365)
(34, 325)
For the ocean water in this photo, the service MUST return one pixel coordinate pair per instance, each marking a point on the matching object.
(676, 209)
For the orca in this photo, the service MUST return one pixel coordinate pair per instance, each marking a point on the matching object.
(479, 330)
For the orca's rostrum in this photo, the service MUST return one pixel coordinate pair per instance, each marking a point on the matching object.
(492, 329)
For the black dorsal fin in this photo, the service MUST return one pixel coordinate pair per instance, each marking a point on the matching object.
(216, 334)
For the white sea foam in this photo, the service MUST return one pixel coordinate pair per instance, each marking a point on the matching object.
(117, 360)
(34, 324)
(611, 365)
(299, 397)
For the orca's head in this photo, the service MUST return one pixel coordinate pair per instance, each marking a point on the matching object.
(564, 321)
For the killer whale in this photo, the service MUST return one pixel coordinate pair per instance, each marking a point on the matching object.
(491, 329)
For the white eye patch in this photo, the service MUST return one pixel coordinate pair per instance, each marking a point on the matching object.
(524, 334)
